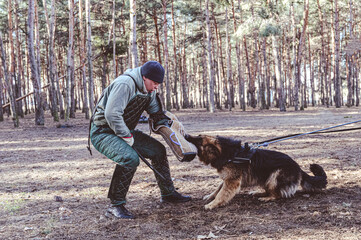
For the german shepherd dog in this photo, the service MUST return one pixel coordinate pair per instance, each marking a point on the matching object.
(277, 173)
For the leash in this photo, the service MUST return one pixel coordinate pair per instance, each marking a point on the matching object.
(320, 131)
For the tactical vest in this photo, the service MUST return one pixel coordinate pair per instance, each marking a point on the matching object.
(134, 110)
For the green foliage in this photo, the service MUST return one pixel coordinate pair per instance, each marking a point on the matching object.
(268, 29)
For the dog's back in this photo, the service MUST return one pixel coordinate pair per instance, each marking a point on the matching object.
(277, 173)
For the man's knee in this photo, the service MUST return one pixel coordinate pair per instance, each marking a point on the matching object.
(129, 160)
(159, 152)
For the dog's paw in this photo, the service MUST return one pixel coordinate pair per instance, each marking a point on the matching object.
(258, 193)
(209, 206)
(266, 199)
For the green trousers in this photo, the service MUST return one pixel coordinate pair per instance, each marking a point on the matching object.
(127, 160)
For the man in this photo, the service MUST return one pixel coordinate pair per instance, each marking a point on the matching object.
(112, 133)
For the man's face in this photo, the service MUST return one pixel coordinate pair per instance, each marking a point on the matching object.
(150, 85)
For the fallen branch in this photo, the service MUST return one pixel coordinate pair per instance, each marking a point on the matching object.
(22, 97)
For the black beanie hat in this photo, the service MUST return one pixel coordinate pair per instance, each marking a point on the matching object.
(153, 70)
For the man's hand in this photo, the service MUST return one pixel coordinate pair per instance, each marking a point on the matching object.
(129, 140)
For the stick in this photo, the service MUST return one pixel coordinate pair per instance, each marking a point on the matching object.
(150, 165)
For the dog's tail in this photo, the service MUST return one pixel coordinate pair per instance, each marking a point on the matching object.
(316, 182)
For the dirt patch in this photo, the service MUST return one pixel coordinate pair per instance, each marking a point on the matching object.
(52, 188)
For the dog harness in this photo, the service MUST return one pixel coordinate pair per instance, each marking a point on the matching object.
(242, 156)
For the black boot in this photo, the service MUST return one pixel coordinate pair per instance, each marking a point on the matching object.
(119, 211)
(175, 197)
(120, 183)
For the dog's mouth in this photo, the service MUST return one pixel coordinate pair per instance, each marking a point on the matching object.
(197, 141)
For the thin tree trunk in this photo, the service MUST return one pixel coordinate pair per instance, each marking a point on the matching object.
(52, 67)
(298, 57)
(8, 83)
(357, 88)
(229, 66)
(323, 65)
(13, 69)
(133, 32)
(210, 63)
(39, 111)
(70, 103)
(176, 80)
(82, 62)
(38, 54)
(337, 58)
(220, 89)
(349, 62)
(114, 43)
(20, 71)
(89, 56)
(266, 76)
(166, 56)
(312, 77)
(1, 92)
(279, 81)
(184, 71)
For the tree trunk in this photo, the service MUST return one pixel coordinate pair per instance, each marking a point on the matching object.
(133, 32)
(221, 88)
(184, 72)
(298, 57)
(176, 102)
(39, 111)
(166, 56)
(8, 83)
(312, 77)
(265, 76)
(1, 91)
(12, 76)
(350, 62)
(241, 85)
(70, 104)
(210, 63)
(82, 62)
(357, 88)
(89, 56)
(20, 71)
(52, 67)
(323, 65)
(114, 43)
(229, 66)
(337, 57)
(279, 82)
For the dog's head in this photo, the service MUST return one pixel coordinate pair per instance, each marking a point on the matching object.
(214, 150)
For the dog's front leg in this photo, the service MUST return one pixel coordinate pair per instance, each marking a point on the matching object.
(227, 192)
(213, 194)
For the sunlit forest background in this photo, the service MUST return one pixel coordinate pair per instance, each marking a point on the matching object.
(58, 56)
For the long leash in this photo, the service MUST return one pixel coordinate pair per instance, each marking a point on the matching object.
(324, 130)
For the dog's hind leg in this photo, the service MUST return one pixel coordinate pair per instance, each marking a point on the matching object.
(227, 192)
(213, 194)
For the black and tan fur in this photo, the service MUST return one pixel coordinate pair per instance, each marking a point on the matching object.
(277, 173)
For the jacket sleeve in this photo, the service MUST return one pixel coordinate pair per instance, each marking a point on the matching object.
(118, 99)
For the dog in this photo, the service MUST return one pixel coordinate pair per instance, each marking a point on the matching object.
(241, 166)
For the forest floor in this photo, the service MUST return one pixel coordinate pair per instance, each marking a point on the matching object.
(52, 188)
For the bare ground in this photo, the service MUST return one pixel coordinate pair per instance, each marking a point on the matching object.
(52, 188)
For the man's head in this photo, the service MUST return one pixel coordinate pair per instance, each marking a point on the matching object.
(153, 75)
